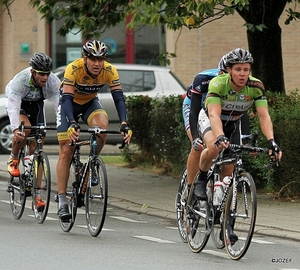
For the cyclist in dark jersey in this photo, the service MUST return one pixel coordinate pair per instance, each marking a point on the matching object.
(200, 83)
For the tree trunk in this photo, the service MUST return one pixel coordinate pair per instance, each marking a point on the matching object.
(265, 48)
(265, 45)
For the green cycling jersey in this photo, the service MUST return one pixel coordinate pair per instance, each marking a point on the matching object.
(235, 104)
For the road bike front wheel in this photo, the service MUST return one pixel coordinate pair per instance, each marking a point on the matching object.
(17, 190)
(71, 194)
(96, 197)
(197, 225)
(180, 205)
(41, 187)
(240, 216)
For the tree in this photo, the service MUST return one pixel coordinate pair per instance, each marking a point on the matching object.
(261, 19)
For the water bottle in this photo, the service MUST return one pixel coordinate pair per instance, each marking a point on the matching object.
(226, 182)
(218, 193)
(208, 189)
(28, 163)
(93, 146)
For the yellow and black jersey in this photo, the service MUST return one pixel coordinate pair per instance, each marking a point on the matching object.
(87, 87)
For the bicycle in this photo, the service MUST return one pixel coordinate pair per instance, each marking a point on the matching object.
(88, 184)
(34, 181)
(235, 211)
(183, 192)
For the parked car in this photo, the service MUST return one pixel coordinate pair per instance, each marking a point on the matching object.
(153, 81)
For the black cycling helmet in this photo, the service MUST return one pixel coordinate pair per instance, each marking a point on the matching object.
(222, 64)
(95, 48)
(41, 62)
(237, 56)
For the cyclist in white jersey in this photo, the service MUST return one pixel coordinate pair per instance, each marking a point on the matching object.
(25, 102)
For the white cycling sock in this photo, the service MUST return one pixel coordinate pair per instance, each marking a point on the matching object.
(62, 199)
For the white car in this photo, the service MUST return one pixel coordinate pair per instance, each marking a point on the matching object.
(152, 81)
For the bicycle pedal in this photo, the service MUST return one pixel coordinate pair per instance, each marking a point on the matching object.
(65, 220)
(28, 192)
(9, 189)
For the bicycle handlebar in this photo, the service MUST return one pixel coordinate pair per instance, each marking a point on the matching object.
(97, 130)
(247, 148)
(41, 127)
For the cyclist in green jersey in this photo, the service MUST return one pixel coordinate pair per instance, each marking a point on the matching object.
(229, 97)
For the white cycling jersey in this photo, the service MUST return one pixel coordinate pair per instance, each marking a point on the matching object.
(20, 88)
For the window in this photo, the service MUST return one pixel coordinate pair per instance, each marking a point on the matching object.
(137, 81)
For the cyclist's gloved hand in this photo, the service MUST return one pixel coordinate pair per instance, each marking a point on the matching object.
(73, 131)
(198, 144)
(273, 148)
(126, 132)
(221, 139)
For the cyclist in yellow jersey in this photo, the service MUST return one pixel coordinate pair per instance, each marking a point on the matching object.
(83, 79)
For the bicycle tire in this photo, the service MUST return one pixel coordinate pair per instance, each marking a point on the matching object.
(43, 189)
(180, 205)
(197, 231)
(71, 194)
(96, 197)
(241, 217)
(17, 192)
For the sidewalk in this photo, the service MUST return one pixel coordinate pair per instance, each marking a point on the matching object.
(153, 194)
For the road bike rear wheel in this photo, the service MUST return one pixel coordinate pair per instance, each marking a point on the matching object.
(240, 216)
(197, 225)
(71, 194)
(41, 186)
(180, 205)
(16, 190)
(96, 197)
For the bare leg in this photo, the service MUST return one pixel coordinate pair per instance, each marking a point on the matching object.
(99, 120)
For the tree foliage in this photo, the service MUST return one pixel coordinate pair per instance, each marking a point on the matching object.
(261, 19)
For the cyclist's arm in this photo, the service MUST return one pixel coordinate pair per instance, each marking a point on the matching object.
(67, 102)
(118, 97)
(51, 91)
(214, 112)
(265, 122)
(195, 109)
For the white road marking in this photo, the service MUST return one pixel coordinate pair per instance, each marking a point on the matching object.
(127, 219)
(219, 254)
(154, 239)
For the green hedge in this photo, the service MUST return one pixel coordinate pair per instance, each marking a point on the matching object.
(160, 140)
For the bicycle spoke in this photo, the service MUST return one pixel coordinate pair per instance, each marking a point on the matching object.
(16, 190)
(41, 187)
(66, 226)
(197, 229)
(240, 215)
(180, 205)
(96, 197)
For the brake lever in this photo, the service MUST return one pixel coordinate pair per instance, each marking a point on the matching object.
(21, 128)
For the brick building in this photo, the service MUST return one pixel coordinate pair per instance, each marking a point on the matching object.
(196, 50)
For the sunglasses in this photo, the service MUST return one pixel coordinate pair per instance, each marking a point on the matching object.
(42, 73)
(95, 58)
